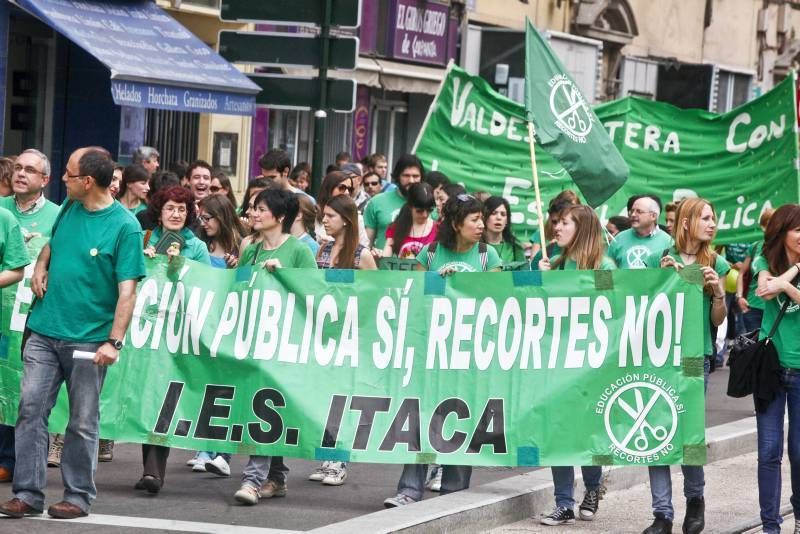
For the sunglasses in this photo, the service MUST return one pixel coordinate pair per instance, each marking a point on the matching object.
(463, 197)
(215, 189)
(342, 187)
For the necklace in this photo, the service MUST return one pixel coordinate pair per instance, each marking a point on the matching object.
(423, 232)
(272, 251)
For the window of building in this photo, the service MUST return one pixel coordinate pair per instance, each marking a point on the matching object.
(638, 77)
(389, 128)
(733, 90)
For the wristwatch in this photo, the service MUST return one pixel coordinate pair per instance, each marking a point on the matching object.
(116, 343)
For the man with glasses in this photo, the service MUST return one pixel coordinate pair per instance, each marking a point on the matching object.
(372, 186)
(382, 210)
(631, 248)
(35, 216)
(85, 284)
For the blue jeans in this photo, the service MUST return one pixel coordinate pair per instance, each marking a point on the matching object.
(412, 481)
(752, 319)
(564, 483)
(47, 363)
(7, 447)
(770, 451)
(259, 469)
(661, 479)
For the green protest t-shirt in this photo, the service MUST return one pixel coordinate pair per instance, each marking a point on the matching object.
(753, 300)
(736, 252)
(629, 250)
(462, 262)
(193, 247)
(606, 264)
(39, 222)
(786, 339)
(552, 250)
(720, 266)
(380, 212)
(139, 207)
(509, 252)
(293, 254)
(90, 253)
(13, 253)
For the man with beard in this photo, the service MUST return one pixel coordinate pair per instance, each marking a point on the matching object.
(382, 209)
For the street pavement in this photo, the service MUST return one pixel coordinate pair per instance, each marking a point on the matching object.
(206, 501)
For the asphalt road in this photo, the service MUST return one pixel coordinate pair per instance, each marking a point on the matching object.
(201, 497)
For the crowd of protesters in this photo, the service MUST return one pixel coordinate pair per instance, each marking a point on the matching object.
(362, 217)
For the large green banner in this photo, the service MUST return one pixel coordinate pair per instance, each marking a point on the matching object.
(744, 161)
(511, 368)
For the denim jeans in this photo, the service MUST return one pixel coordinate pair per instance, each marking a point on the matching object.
(259, 469)
(661, 479)
(7, 447)
(412, 481)
(564, 483)
(770, 451)
(752, 319)
(47, 363)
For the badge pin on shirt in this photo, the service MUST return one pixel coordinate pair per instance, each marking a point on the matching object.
(93, 252)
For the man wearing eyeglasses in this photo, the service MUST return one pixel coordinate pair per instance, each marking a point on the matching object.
(631, 248)
(360, 197)
(35, 216)
(85, 284)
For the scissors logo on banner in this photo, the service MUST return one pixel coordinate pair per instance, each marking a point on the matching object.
(572, 114)
(644, 406)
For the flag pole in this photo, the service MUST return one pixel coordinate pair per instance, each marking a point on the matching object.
(539, 214)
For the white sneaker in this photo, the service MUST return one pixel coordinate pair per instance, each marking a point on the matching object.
(398, 500)
(193, 460)
(247, 495)
(218, 466)
(200, 465)
(336, 474)
(319, 472)
(435, 481)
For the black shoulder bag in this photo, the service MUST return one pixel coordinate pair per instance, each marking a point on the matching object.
(754, 364)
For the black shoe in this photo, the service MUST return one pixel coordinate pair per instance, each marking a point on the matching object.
(559, 516)
(695, 521)
(588, 508)
(139, 485)
(659, 526)
(151, 484)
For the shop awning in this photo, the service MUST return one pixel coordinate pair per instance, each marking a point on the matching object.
(154, 61)
(388, 75)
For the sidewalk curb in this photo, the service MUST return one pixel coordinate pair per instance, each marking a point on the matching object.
(516, 498)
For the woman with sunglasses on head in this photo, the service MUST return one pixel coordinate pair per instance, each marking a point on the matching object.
(777, 270)
(579, 236)
(413, 228)
(334, 184)
(221, 231)
(340, 219)
(272, 214)
(174, 210)
(497, 217)
(695, 228)
(458, 248)
(221, 185)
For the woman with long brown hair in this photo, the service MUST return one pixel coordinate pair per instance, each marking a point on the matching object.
(221, 230)
(695, 229)
(579, 236)
(340, 219)
(778, 272)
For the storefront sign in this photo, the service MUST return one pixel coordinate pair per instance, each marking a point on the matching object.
(420, 33)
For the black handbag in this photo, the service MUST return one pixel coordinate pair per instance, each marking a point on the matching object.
(752, 360)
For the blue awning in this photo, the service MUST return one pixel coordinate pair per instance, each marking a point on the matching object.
(154, 61)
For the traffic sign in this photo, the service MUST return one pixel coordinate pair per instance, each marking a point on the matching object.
(345, 13)
(287, 49)
(292, 92)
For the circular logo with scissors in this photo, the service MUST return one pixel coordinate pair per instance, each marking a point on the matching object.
(637, 257)
(572, 113)
(641, 419)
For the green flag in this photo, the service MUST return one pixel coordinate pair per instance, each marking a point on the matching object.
(566, 126)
